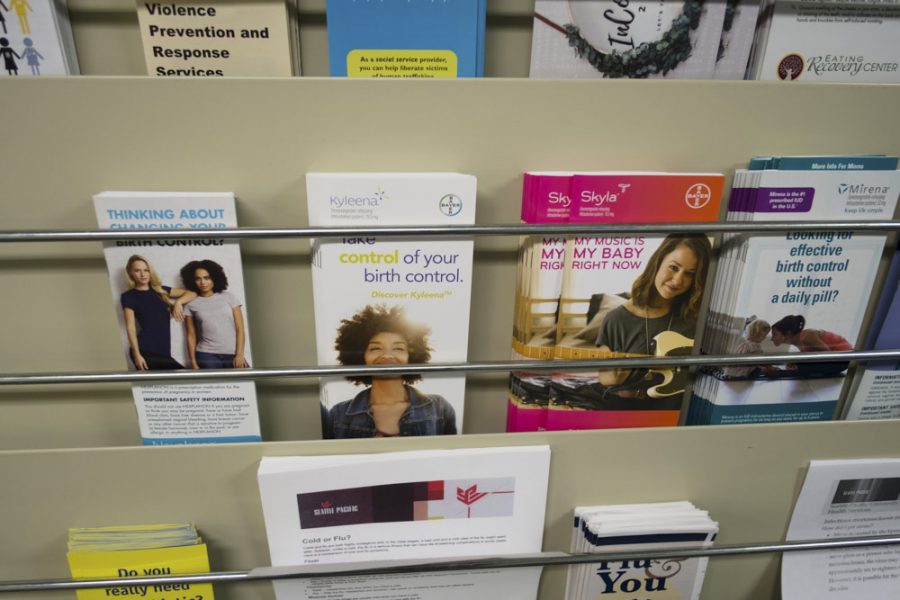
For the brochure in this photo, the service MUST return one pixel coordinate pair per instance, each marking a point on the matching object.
(387, 301)
(219, 38)
(634, 39)
(406, 38)
(180, 303)
(36, 39)
(427, 504)
(839, 499)
(139, 551)
(877, 393)
(825, 41)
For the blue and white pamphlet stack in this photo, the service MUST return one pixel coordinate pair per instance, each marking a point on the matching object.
(800, 291)
(406, 38)
(636, 39)
(36, 38)
(632, 529)
(415, 289)
(877, 384)
(171, 319)
(399, 508)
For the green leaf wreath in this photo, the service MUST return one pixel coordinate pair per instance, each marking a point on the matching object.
(648, 58)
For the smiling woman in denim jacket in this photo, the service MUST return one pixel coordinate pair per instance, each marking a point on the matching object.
(389, 406)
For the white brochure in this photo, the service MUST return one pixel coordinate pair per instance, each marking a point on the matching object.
(428, 504)
(839, 499)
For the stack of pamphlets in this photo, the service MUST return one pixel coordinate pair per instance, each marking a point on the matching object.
(180, 303)
(139, 551)
(36, 38)
(237, 38)
(821, 40)
(877, 384)
(545, 199)
(391, 301)
(636, 39)
(630, 295)
(406, 38)
(425, 505)
(738, 32)
(845, 499)
(800, 291)
(631, 529)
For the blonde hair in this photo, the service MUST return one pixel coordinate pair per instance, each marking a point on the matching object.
(758, 327)
(155, 282)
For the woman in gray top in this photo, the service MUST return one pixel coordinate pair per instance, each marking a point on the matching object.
(215, 323)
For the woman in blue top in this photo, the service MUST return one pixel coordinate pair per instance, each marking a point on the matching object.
(147, 307)
(389, 406)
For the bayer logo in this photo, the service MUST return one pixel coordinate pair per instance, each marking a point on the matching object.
(451, 205)
(698, 195)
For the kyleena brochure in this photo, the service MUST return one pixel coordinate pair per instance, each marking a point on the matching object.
(391, 301)
(180, 304)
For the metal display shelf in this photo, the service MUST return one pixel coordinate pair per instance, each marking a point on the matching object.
(467, 367)
(446, 231)
(542, 559)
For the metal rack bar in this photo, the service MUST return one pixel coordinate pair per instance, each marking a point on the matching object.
(707, 360)
(397, 567)
(445, 231)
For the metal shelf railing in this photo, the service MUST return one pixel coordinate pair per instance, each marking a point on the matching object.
(703, 360)
(444, 231)
(460, 564)
(447, 231)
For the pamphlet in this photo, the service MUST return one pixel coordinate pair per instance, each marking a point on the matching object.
(840, 499)
(180, 304)
(219, 38)
(427, 504)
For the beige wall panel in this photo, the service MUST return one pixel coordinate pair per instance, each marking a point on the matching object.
(258, 138)
(746, 476)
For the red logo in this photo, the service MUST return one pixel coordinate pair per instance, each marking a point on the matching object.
(790, 67)
(698, 195)
(326, 504)
(470, 496)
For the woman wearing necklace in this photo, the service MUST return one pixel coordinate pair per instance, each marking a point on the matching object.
(666, 296)
(389, 406)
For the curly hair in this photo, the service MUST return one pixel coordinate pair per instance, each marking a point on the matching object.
(687, 305)
(354, 334)
(215, 270)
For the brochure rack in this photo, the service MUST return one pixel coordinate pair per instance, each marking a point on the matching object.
(65, 458)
